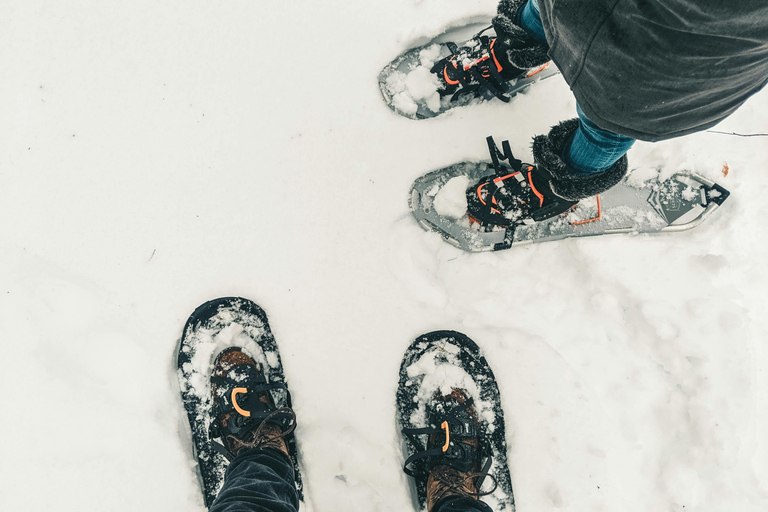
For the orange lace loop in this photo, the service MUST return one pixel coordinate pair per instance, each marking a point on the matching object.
(240, 411)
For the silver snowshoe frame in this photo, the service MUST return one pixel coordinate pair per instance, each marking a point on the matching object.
(678, 203)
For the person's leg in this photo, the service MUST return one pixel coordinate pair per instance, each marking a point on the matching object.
(255, 433)
(529, 18)
(463, 505)
(593, 149)
(258, 481)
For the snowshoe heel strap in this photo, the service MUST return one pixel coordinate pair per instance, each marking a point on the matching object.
(505, 154)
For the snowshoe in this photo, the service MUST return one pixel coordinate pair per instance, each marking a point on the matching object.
(495, 206)
(449, 410)
(229, 393)
(429, 80)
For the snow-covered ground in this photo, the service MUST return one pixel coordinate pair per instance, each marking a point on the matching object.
(154, 155)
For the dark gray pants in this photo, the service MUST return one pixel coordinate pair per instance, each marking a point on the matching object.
(262, 481)
(258, 481)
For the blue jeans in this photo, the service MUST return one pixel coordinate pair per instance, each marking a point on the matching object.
(258, 481)
(591, 149)
(262, 481)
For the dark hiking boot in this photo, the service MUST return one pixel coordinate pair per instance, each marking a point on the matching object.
(455, 450)
(484, 65)
(448, 481)
(517, 193)
(244, 412)
(563, 181)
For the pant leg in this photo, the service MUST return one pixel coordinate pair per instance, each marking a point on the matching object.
(529, 18)
(463, 505)
(593, 149)
(258, 481)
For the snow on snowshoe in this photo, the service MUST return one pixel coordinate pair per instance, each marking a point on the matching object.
(429, 80)
(234, 329)
(490, 207)
(449, 411)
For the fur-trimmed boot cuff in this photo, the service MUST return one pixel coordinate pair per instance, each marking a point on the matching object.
(564, 182)
(521, 51)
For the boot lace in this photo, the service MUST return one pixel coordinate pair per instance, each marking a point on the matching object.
(260, 437)
(451, 482)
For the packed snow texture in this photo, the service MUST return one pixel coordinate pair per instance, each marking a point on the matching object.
(451, 200)
(436, 376)
(208, 342)
(416, 85)
(157, 155)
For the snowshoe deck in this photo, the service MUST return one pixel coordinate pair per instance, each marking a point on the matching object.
(678, 203)
(410, 89)
(420, 378)
(214, 326)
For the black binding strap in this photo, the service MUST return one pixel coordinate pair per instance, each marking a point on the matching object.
(219, 448)
(493, 87)
(457, 428)
(505, 154)
(493, 82)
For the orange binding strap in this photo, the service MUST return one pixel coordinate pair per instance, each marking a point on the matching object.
(599, 214)
(493, 199)
(478, 61)
(479, 194)
(444, 426)
(502, 178)
(495, 60)
(235, 392)
(537, 70)
(447, 79)
(538, 194)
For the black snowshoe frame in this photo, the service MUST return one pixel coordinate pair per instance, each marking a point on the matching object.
(211, 462)
(419, 458)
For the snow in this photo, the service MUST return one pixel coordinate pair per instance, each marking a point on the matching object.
(210, 342)
(158, 155)
(451, 200)
(422, 85)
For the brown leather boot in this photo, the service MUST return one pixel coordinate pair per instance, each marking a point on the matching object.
(458, 474)
(245, 413)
